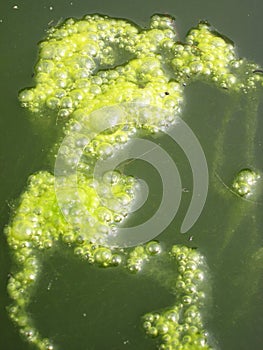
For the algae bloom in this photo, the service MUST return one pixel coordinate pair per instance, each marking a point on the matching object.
(84, 66)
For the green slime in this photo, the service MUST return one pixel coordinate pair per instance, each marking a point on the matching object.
(95, 62)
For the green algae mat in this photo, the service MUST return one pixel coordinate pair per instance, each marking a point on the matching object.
(132, 177)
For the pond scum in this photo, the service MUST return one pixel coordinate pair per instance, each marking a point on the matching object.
(83, 66)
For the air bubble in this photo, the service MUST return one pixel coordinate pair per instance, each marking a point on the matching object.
(111, 177)
(153, 248)
(245, 182)
(26, 96)
(104, 214)
(105, 150)
(66, 102)
(103, 256)
(116, 259)
(64, 113)
(152, 331)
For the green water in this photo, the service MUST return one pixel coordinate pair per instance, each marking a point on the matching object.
(84, 307)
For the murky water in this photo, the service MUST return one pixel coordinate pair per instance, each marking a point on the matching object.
(81, 306)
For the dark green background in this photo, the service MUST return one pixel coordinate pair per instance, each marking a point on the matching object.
(112, 300)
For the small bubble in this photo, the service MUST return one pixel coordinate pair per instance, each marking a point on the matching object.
(111, 177)
(152, 331)
(162, 328)
(105, 150)
(147, 325)
(116, 259)
(186, 339)
(66, 102)
(64, 113)
(186, 300)
(153, 248)
(134, 268)
(26, 96)
(149, 317)
(245, 182)
(53, 103)
(103, 256)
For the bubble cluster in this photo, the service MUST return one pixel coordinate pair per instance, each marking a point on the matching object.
(20, 289)
(181, 326)
(38, 221)
(80, 66)
(38, 224)
(211, 57)
(70, 74)
(245, 182)
(141, 254)
(83, 66)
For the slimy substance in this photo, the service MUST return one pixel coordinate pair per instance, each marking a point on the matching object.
(86, 65)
